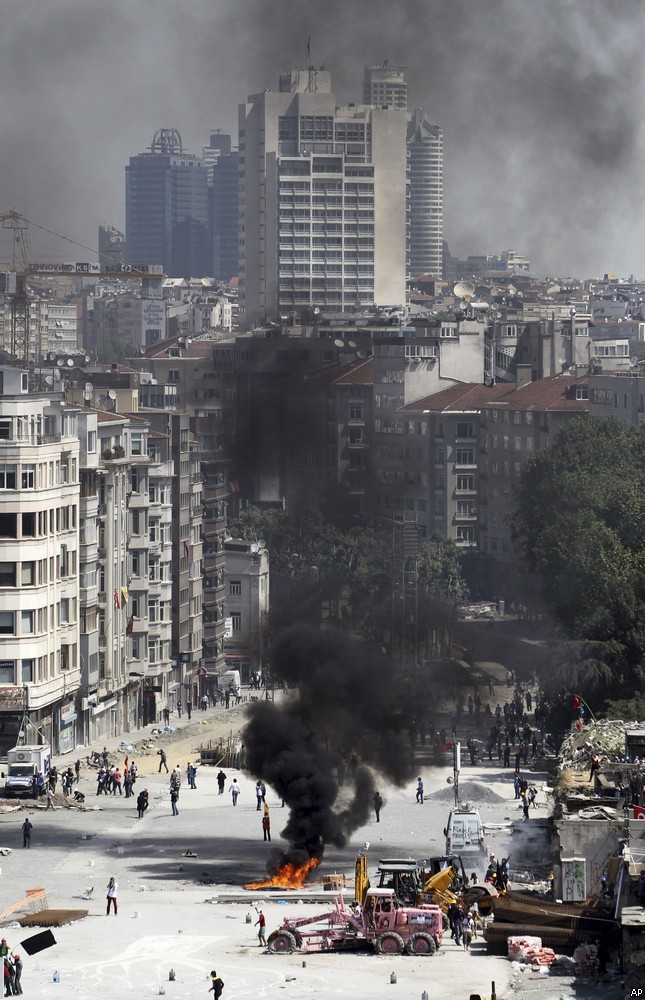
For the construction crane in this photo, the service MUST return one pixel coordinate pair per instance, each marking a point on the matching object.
(14, 276)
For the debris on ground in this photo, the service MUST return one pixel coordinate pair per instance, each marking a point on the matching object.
(473, 791)
(603, 737)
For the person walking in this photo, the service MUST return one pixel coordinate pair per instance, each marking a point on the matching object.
(467, 929)
(112, 888)
(127, 784)
(77, 770)
(261, 924)
(217, 985)
(420, 790)
(116, 782)
(234, 789)
(259, 795)
(191, 773)
(189, 709)
(166, 715)
(17, 962)
(204, 702)
(174, 795)
(27, 827)
(266, 824)
(221, 782)
(142, 804)
(179, 709)
(163, 761)
(50, 798)
(378, 802)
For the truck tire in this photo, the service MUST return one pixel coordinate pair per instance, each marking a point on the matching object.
(389, 944)
(421, 944)
(281, 943)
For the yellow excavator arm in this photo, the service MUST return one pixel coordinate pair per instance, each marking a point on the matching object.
(361, 879)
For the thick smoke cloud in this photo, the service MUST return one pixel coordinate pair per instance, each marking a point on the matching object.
(539, 103)
(346, 709)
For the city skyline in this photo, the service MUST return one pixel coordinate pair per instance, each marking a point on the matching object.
(542, 146)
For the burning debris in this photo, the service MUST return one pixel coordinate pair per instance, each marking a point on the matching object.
(289, 876)
(343, 726)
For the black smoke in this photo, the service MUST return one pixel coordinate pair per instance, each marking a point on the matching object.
(342, 713)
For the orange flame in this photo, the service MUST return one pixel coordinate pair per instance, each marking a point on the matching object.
(290, 876)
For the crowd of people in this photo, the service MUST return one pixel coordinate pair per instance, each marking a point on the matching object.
(12, 970)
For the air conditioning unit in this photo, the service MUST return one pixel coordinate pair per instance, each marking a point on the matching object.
(88, 703)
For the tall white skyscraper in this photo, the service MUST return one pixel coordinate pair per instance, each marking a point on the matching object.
(425, 194)
(322, 201)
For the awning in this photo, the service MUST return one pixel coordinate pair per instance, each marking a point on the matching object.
(67, 720)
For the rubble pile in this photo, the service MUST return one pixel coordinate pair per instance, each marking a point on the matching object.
(605, 737)
(529, 950)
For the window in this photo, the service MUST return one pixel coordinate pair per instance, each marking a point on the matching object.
(64, 610)
(28, 574)
(28, 477)
(465, 456)
(7, 671)
(235, 588)
(7, 574)
(91, 442)
(465, 430)
(466, 534)
(236, 621)
(6, 623)
(27, 671)
(26, 622)
(465, 484)
(7, 477)
(173, 375)
(355, 412)
(28, 525)
(136, 444)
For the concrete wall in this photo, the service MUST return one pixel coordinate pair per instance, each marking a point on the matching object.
(594, 839)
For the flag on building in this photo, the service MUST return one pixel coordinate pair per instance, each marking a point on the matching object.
(124, 594)
(117, 603)
(130, 626)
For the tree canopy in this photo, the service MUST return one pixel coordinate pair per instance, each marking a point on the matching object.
(581, 518)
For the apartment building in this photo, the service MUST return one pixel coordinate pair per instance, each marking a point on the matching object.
(246, 581)
(620, 395)
(40, 665)
(322, 201)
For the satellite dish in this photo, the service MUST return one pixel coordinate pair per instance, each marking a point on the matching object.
(496, 314)
(112, 394)
(488, 374)
(261, 543)
(362, 355)
(316, 311)
(189, 341)
(56, 375)
(49, 380)
(142, 350)
(87, 394)
(70, 362)
(464, 304)
(633, 361)
(255, 547)
(463, 289)
(339, 343)
(109, 405)
(352, 343)
(60, 362)
(488, 381)
(88, 386)
(87, 359)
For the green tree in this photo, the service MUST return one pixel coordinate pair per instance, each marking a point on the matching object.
(581, 518)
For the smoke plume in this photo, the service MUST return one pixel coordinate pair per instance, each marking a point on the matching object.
(340, 728)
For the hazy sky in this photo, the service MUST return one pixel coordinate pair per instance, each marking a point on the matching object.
(540, 102)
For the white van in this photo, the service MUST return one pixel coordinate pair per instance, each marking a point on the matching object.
(465, 832)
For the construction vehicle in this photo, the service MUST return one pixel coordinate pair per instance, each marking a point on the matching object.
(441, 881)
(381, 922)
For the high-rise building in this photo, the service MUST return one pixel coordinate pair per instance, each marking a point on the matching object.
(223, 167)
(322, 201)
(111, 247)
(385, 85)
(425, 206)
(166, 208)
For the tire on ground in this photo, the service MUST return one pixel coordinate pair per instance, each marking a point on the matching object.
(281, 943)
(389, 944)
(421, 944)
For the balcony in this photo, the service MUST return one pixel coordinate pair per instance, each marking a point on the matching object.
(102, 598)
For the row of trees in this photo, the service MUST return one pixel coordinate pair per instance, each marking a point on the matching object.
(581, 518)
